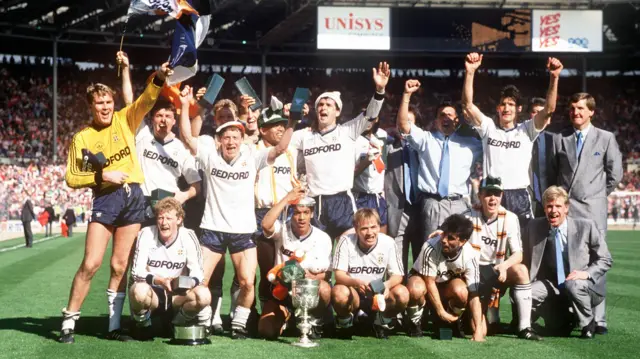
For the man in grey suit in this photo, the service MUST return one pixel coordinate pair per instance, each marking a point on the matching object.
(27, 216)
(587, 163)
(567, 259)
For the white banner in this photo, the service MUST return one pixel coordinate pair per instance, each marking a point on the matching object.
(354, 28)
(566, 31)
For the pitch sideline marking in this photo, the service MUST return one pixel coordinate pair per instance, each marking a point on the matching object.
(24, 245)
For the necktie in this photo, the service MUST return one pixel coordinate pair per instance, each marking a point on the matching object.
(579, 144)
(443, 183)
(409, 174)
(559, 260)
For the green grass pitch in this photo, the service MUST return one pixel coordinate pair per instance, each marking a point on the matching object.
(34, 285)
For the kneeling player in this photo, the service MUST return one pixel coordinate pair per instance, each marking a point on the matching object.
(494, 228)
(361, 262)
(447, 272)
(164, 252)
(297, 236)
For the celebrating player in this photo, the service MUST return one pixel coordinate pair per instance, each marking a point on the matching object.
(329, 154)
(361, 262)
(495, 228)
(507, 147)
(165, 252)
(447, 273)
(229, 217)
(102, 157)
(296, 236)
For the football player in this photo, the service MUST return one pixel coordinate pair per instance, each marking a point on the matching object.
(369, 276)
(300, 237)
(164, 252)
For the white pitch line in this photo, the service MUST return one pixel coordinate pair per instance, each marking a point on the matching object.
(24, 245)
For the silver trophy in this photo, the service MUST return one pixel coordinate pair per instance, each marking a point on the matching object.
(304, 295)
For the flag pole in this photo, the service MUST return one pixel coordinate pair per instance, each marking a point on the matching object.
(124, 30)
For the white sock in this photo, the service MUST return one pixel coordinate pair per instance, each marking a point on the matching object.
(240, 317)
(69, 319)
(217, 320)
(493, 315)
(143, 318)
(345, 322)
(415, 313)
(522, 294)
(204, 316)
(235, 293)
(116, 303)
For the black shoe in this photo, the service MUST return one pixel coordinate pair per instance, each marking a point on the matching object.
(493, 329)
(66, 336)
(216, 329)
(588, 332)
(345, 333)
(529, 334)
(380, 332)
(600, 330)
(142, 333)
(117, 335)
(414, 330)
(316, 332)
(239, 333)
(458, 329)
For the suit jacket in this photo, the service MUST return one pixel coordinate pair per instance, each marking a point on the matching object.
(27, 214)
(394, 187)
(587, 249)
(69, 217)
(536, 166)
(52, 213)
(590, 179)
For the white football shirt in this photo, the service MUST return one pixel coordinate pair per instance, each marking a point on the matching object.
(316, 246)
(491, 239)
(183, 256)
(275, 181)
(229, 204)
(379, 262)
(329, 158)
(163, 163)
(370, 180)
(507, 154)
(432, 263)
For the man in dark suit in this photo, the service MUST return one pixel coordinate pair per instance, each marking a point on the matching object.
(27, 215)
(52, 216)
(587, 163)
(567, 259)
(69, 219)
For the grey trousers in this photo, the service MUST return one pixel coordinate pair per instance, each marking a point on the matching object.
(409, 234)
(434, 212)
(600, 310)
(552, 303)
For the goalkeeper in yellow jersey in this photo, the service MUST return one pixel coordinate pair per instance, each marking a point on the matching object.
(103, 157)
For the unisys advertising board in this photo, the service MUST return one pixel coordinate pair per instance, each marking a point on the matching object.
(354, 28)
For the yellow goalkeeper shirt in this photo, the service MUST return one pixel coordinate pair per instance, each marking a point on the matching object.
(116, 142)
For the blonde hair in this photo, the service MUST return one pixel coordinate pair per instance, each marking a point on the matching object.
(225, 103)
(98, 89)
(554, 192)
(365, 214)
(168, 204)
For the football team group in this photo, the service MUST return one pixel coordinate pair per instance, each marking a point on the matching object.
(347, 200)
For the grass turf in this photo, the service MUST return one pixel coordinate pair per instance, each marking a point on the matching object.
(35, 285)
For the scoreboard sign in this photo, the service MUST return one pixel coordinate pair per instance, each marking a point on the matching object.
(567, 31)
(354, 28)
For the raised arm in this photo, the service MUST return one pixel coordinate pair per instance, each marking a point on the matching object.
(402, 120)
(282, 146)
(136, 112)
(269, 220)
(471, 64)
(127, 90)
(186, 134)
(542, 119)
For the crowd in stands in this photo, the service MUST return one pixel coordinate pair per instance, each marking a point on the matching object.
(26, 128)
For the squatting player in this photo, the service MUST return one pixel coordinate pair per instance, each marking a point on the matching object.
(507, 146)
(118, 203)
(328, 150)
(164, 252)
(297, 235)
(361, 262)
(446, 272)
(229, 217)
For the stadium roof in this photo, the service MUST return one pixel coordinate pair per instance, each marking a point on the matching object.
(241, 30)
